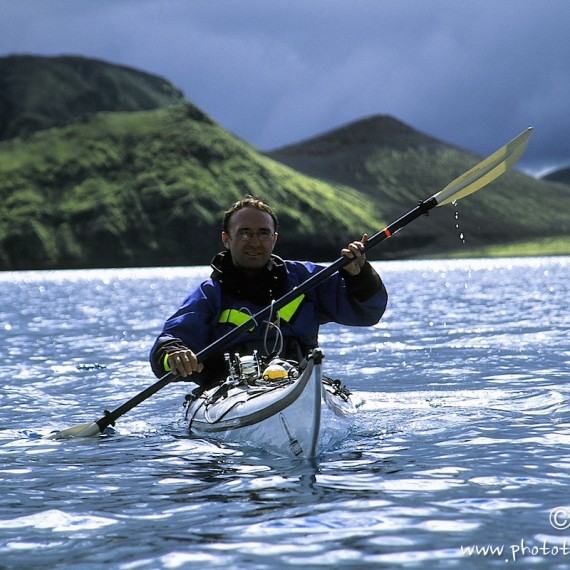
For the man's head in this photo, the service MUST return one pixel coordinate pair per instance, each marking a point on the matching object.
(249, 233)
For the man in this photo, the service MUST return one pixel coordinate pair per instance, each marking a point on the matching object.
(246, 277)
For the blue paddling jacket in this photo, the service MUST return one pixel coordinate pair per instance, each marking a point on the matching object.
(229, 297)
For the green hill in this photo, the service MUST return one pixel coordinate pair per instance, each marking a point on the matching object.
(149, 188)
(103, 166)
(396, 166)
(42, 92)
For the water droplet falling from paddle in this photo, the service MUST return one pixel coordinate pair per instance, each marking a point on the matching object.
(461, 234)
(461, 237)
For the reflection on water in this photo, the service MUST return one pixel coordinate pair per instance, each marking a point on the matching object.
(461, 436)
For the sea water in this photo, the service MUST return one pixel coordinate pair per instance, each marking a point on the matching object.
(458, 457)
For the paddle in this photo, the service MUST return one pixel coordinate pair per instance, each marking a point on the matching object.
(474, 179)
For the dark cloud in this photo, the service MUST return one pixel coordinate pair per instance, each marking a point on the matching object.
(473, 73)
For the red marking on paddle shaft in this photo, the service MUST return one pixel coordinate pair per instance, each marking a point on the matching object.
(387, 232)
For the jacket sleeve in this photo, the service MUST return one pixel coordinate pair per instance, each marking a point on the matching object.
(358, 300)
(364, 285)
(165, 344)
(188, 328)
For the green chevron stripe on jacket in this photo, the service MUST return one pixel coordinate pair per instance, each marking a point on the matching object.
(237, 317)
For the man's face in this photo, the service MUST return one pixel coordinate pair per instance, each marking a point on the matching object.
(253, 253)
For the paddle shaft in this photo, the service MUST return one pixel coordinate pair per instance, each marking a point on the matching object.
(314, 280)
(110, 417)
(217, 346)
(477, 177)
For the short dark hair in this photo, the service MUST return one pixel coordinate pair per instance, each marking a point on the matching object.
(248, 202)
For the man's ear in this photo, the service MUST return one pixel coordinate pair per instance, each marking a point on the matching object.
(226, 239)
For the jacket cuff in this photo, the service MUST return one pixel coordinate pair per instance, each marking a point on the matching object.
(364, 285)
(159, 356)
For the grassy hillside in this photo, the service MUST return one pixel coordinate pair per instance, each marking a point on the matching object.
(396, 166)
(149, 188)
(42, 92)
(537, 248)
(103, 165)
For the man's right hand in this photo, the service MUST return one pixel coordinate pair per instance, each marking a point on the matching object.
(183, 363)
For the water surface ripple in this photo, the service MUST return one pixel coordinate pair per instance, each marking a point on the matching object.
(458, 456)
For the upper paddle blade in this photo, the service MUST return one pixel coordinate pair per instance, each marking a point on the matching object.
(484, 172)
(84, 430)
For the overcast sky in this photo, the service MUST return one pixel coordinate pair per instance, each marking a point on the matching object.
(473, 73)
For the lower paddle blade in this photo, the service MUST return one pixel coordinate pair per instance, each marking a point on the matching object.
(84, 430)
(484, 172)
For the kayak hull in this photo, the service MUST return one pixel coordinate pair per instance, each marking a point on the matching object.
(283, 417)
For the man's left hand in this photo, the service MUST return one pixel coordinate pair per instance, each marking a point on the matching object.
(355, 251)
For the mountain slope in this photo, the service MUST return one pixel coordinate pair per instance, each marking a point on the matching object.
(108, 166)
(396, 166)
(562, 176)
(150, 188)
(42, 92)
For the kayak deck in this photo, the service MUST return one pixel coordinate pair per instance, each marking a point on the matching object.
(277, 408)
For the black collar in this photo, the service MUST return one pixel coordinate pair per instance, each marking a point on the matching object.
(269, 283)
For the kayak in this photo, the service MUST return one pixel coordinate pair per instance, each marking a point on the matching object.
(279, 406)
